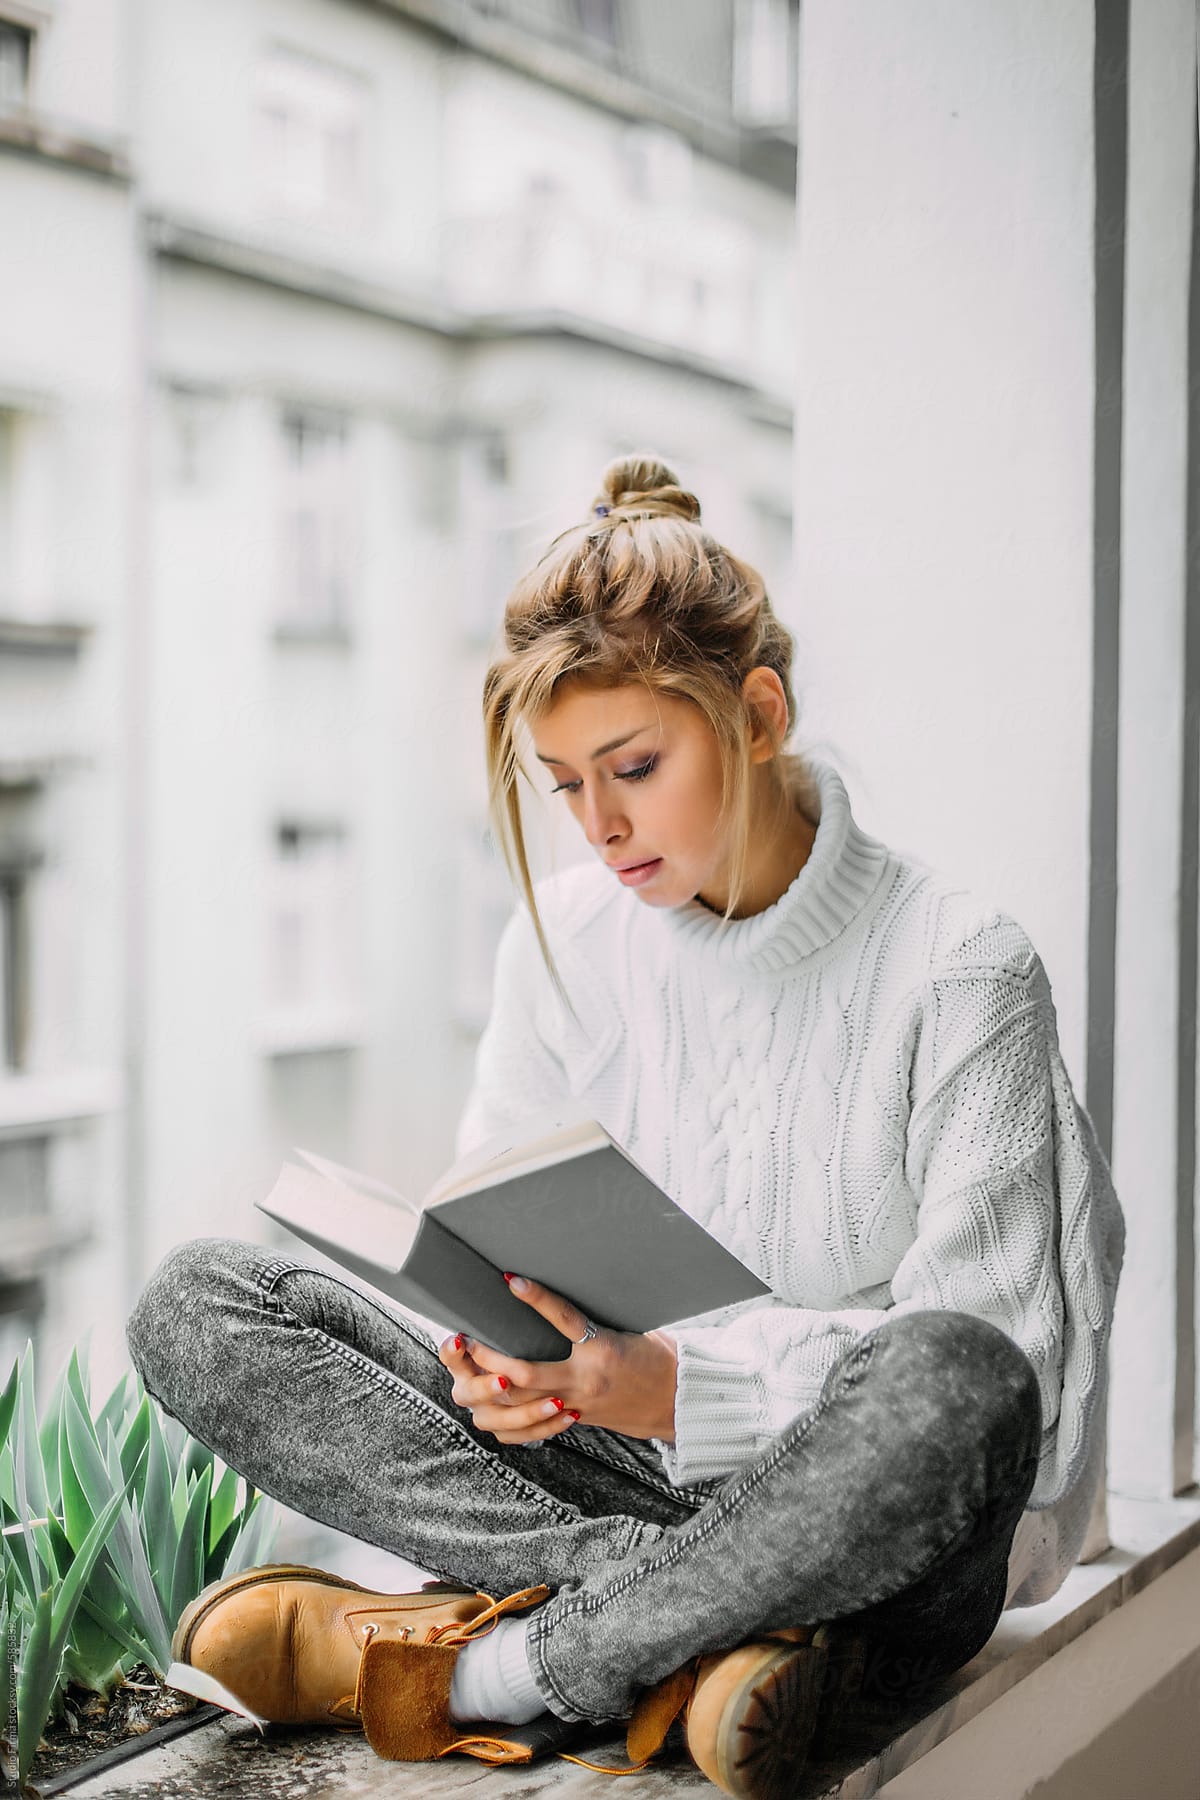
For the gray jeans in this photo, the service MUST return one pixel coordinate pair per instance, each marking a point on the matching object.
(891, 1504)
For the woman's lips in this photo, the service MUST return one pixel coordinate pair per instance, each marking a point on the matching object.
(643, 872)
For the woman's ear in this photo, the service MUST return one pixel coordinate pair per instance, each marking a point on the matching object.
(767, 704)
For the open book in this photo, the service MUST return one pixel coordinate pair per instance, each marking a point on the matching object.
(555, 1198)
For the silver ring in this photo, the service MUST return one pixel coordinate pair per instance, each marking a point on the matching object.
(591, 1332)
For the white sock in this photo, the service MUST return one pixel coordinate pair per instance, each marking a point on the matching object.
(492, 1679)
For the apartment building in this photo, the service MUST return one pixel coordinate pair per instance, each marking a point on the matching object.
(331, 314)
(67, 376)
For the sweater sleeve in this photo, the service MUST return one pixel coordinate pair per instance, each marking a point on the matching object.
(1016, 1221)
(515, 1071)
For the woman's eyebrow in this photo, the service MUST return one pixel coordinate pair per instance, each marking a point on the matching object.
(602, 751)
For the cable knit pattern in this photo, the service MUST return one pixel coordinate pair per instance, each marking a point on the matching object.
(860, 1091)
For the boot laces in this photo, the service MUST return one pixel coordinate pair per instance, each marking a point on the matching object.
(454, 1633)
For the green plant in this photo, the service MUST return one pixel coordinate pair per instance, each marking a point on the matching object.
(110, 1525)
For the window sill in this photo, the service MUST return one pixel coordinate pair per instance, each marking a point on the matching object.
(27, 130)
(43, 637)
(31, 1245)
(31, 1101)
(302, 1034)
(295, 631)
(1149, 1537)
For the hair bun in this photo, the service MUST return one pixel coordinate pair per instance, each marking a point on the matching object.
(641, 483)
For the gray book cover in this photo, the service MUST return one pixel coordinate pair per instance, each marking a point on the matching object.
(580, 1217)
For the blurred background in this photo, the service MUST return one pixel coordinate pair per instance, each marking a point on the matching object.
(317, 321)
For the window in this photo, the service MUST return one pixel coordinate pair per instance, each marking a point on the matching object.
(194, 450)
(24, 1222)
(763, 60)
(488, 537)
(598, 22)
(24, 1179)
(21, 1307)
(315, 542)
(658, 164)
(14, 968)
(30, 508)
(312, 927)
(311, 138)
(18, 859)
(16, 55)
(8, 457)
(484, 902)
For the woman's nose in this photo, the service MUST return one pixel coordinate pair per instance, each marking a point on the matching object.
(602, 818)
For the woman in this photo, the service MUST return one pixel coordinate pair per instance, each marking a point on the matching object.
(846, 1067)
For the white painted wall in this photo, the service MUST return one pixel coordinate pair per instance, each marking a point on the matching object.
(80, 75)
(202, 156)
(944, 525)
(1152, 1438)
(943, 447)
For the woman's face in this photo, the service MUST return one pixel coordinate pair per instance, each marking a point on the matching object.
(641, 772)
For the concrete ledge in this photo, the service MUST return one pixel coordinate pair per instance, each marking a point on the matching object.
(1150, 1538)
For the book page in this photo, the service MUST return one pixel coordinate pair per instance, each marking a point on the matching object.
(551, 1132)
(547, 1153)
(369, 1234)
(352, 1179)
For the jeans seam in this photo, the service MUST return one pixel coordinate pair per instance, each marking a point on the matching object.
(854, 1365)
(589, 1447)
(270, 1274)
(267, 1279)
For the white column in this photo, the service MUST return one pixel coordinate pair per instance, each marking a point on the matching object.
(991, 528)
(944, 433)
(1153, 1348)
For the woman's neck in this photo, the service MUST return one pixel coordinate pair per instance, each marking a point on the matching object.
(785, 852)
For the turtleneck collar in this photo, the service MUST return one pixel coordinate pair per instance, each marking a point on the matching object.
(843, 870)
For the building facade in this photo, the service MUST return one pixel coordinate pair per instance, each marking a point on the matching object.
(384, 287)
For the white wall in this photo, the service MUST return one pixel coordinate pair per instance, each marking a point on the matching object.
(943, 446)
(202, 158)
(1152, 1439)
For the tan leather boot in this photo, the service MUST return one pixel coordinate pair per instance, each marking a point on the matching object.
(751, 1712)
(298, 1645)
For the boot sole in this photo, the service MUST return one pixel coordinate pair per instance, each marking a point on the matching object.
(216, 1591)
(765, 1733)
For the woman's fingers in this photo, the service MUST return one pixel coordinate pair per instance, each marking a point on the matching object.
(453, 1352)
(527, 1423)
(525, 1420)
(472, 1386)
(564, 1315)
(519, 1374)
(475, 1385)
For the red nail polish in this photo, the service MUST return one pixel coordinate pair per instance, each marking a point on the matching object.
(503, 1380)
(458, 1340)
(573, 1414)
(557, 1402)
(507, 1276)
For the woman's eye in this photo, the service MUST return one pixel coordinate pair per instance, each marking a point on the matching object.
(638, 774)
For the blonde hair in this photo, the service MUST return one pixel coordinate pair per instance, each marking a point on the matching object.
(639, 591)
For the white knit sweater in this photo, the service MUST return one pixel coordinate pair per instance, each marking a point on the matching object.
(860, 1091)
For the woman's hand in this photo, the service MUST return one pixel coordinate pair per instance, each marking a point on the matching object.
(624, 1380)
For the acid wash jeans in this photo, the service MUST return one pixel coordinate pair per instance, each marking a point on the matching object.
(890, 1506)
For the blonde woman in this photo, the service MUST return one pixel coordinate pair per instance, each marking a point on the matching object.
(767, 1523)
